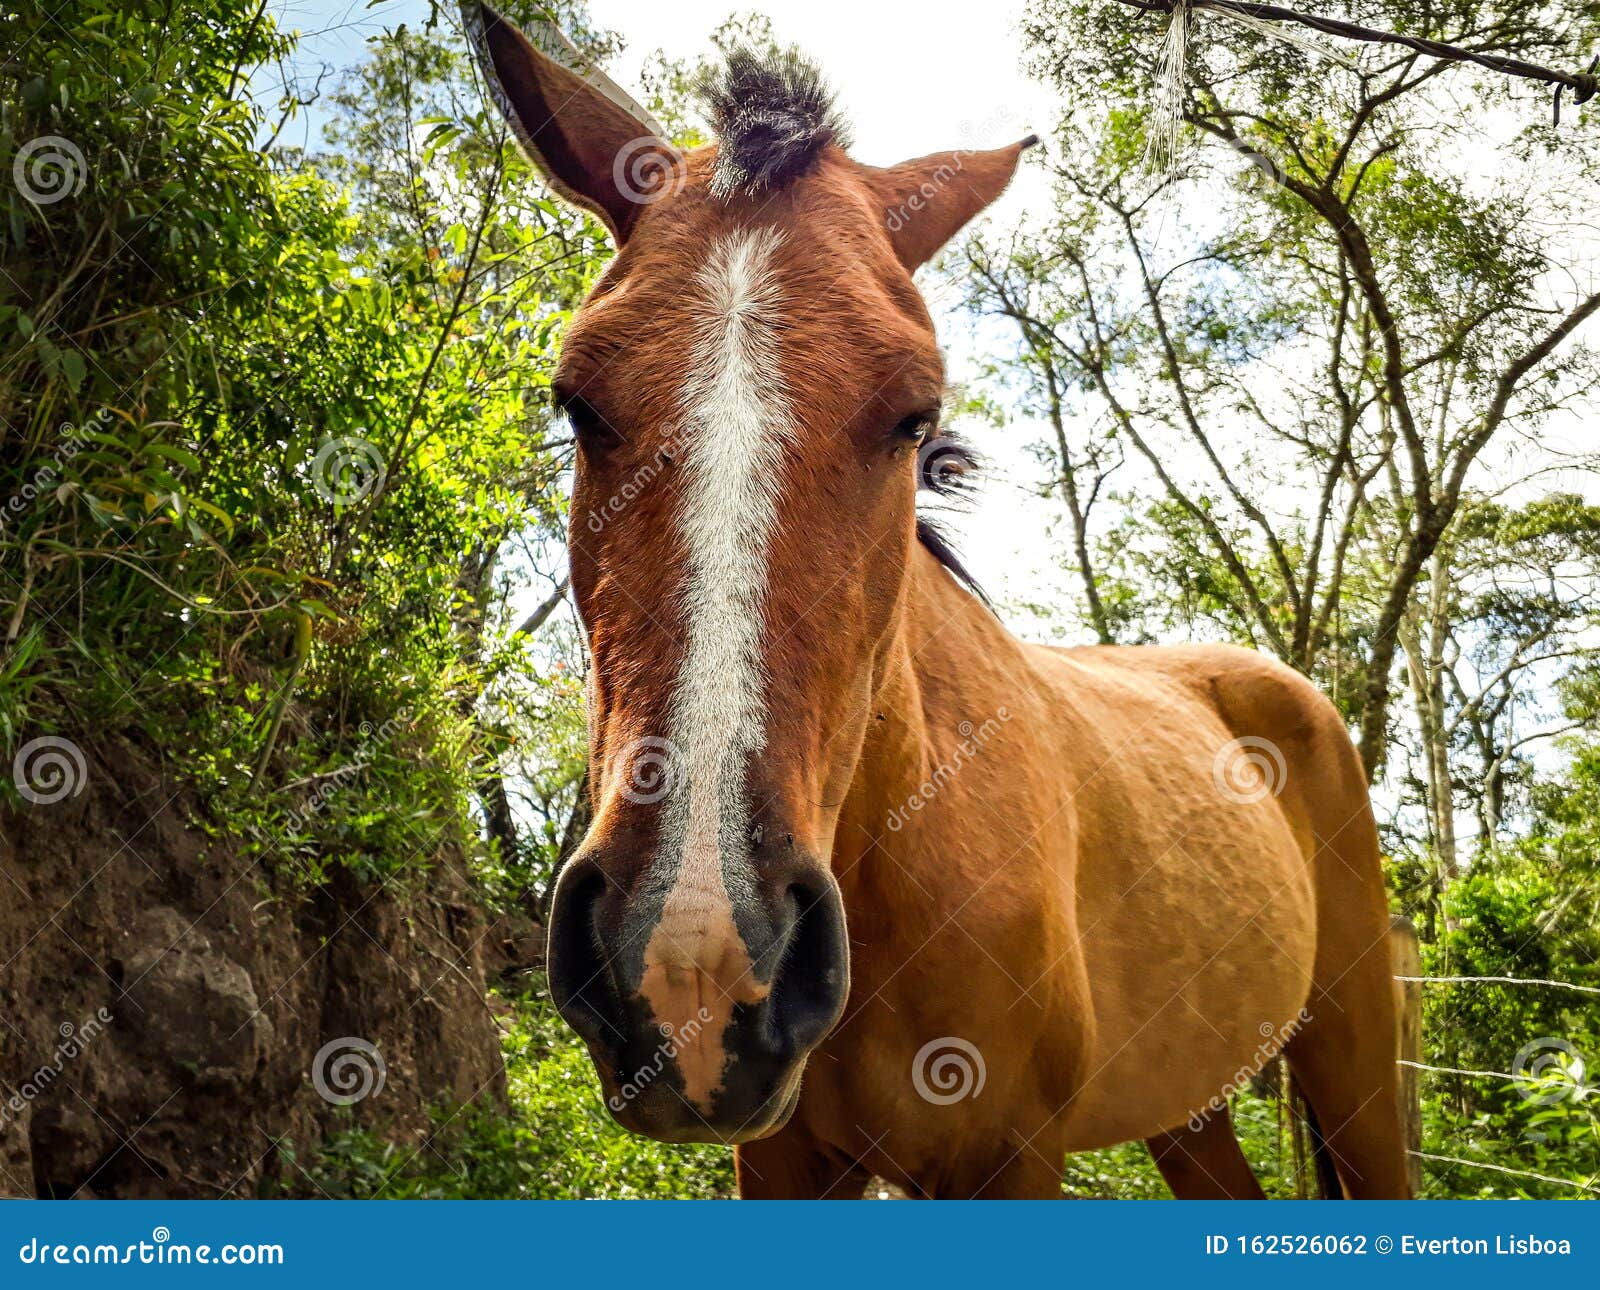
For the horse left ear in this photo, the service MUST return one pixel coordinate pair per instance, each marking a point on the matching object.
(925, 202)
(598, 147)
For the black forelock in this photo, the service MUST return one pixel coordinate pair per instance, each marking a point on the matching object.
(773, 114)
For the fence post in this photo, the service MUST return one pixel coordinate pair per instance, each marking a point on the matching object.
(1405, 957)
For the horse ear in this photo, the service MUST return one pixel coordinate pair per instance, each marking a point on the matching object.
(598, 148)
(925, 202)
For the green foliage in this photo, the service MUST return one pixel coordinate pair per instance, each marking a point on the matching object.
(270, 423)
(553, 1140)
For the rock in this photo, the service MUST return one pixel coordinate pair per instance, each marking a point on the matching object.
(193, 1005)
(200, 1082)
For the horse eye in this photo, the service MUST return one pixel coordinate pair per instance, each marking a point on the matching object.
(587, 424)
(916, 427)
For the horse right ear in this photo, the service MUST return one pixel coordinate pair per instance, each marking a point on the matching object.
(588, 138)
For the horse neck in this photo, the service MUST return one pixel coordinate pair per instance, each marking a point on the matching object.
(947, 663)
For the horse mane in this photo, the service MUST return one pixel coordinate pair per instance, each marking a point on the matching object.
(772, 113)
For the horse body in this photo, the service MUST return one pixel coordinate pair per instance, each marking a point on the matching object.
(1116, 937)
(871, 885)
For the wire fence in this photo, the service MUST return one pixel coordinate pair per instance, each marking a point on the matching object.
(1502, 980)
(1503, 1169)
(1580, 1088)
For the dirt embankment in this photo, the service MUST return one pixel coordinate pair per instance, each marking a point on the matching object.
(163, 1002)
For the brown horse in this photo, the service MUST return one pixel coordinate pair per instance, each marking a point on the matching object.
(996, 902)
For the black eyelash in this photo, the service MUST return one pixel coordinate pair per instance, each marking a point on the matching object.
(919, 425)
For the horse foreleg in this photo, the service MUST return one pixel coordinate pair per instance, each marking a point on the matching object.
(1205, 1163)
(791, 1165)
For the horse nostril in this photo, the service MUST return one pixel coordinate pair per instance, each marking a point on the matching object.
(581, 985)
(809, 990)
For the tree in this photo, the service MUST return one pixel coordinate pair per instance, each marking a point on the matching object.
(284, 417)
(1499, 619)
(1315, 353)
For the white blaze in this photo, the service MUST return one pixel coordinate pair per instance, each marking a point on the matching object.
(737, 421)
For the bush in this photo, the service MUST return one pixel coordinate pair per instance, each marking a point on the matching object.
(553, 1141)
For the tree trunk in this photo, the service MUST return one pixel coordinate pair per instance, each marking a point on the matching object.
(1080, 518)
